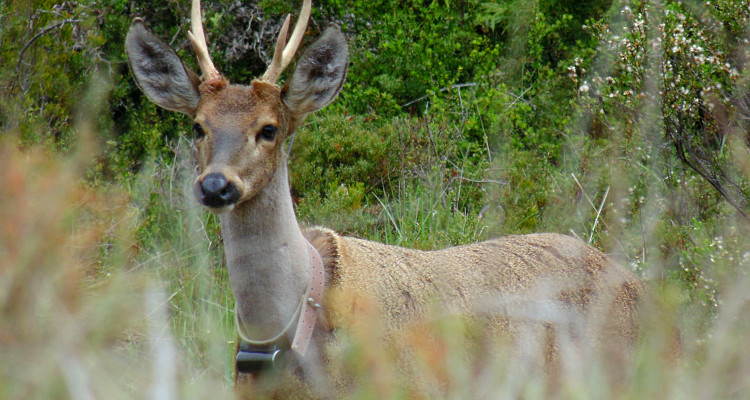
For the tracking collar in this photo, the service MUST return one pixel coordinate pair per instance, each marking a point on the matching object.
(257, 355)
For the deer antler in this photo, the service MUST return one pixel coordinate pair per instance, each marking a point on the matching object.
(198, 39)
(283, 55)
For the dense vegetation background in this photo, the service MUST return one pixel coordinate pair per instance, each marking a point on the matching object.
(621, 122)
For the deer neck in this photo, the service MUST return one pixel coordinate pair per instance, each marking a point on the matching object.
(267, 259)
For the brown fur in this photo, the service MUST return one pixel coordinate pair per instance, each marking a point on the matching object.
(405, 282)
(230, 140)
(572, 292)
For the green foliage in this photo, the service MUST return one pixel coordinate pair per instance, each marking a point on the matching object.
(335, 149)
(350, 172)
(661, 93)
(180, 244)
(405, 50)
(639, 105)
(48, 54)
(621, 124)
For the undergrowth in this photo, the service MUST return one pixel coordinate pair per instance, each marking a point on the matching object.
(622, 124)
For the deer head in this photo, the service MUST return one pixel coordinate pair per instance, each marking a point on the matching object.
(238, 130)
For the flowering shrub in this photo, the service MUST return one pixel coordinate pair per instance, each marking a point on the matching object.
(662, 89)
(622, 127)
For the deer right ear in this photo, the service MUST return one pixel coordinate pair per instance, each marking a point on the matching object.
(319, 75)
(159, 72)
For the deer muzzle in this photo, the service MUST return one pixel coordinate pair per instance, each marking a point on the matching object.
(216, 192)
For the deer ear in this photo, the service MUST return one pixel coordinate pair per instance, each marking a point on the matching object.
(159, 72)
(319, 75)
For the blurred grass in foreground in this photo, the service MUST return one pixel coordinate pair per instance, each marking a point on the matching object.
(84, 313)
(116, 290)
(87, 314)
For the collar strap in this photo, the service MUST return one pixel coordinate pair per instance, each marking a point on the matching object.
(312, 303)
(305, 316)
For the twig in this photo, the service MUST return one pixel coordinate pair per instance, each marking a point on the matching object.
(619, 243)
(456, 86)
(586, 195)
(486, 140)
(463, 178)
(598, 213)
(591, 203)
(572, 232)
(521, 99)
(179, 31)
(291, 143)
(461, 101)
(225, 308)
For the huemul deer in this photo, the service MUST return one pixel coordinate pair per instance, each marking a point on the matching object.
(295, 287)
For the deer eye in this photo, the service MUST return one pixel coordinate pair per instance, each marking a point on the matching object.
(198, 131)
(268, 132)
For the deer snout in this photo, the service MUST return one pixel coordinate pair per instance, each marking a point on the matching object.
(215, 191)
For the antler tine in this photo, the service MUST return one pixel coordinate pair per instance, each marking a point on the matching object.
(198, 40)
(282, 58)
(274, 70)
(299, 32)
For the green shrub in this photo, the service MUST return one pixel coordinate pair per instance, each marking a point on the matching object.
(348, 171)
(624, 127)
(402, 51)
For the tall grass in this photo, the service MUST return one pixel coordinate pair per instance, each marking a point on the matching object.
(87, 312)
(119, 291)
(88, 315)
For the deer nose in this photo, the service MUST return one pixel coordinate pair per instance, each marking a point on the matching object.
(217, 192)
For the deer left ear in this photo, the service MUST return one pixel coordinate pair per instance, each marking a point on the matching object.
(159, 72)
(319, 75)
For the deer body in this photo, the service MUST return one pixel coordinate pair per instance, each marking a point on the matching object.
(558, 272)
(242, 175)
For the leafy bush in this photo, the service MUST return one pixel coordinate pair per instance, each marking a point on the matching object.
(48, 54)
(405, 50)
(355, 168)
(666, 104)
(623, 125)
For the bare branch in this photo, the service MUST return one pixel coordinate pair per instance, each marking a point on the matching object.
(457, 86)
(41, 33)
(598, 214)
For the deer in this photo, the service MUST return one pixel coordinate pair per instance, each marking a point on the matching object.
(295, 287)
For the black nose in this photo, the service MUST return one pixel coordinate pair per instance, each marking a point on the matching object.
(216, 192)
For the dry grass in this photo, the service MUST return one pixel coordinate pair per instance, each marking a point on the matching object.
(80, 317)
(85, 314)
(88, 310)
